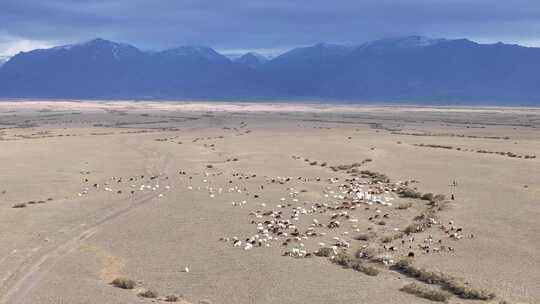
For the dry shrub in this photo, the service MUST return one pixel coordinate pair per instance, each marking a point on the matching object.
(438, 205)
(19, 205)
(364, 236)
(404, 206)
(375, 176)
(346, 260)
(325, 252)
(438, 198)
(410, 193)
(426, 293)
(428, 196)
(171, 298)
(148, 294)
(123, 283)
(390, 237)
(367, 253)
(447, 282)
(366, 269)
(413, 228)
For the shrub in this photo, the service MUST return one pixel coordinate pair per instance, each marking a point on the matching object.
(449, 283)
(367, 253)
(426, 293)
(413, 228)
(404, 206)
(366, 269)
(171, 298)
(438, 198)
(363, 237)
(123, 283)
(348, 261)
(375, 176)
(390, 237)
(344, 259)
(325, 252)
(410, 193)
(19, 205)
(428, 197)
(148, 294)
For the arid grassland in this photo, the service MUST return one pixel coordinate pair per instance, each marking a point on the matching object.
(141, 202)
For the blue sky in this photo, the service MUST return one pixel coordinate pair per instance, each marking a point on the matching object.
(269, 26)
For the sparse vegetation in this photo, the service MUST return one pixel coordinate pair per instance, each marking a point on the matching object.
(325, 252)
(390, 237)
(123, 283)
(363, 237)
(148, 294)
(482, 151)
(448, 283)
(427, 196)
(409, 193)
(171, 298)
(19, 205)
(438, 205)
(375, 176)
(426, 293)
(352, 168)
(404, 206)
(435, 146)
(367, 253)
(413, 228)
(346, 260)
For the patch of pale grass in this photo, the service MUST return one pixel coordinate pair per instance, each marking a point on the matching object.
(123, 283)
(343, 258)
(426, 293)
(456, 286)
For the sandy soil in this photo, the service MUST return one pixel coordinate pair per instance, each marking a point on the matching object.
(144, 190)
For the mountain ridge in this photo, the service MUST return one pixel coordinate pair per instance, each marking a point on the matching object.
(402, 69)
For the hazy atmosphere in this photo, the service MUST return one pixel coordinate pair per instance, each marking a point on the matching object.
(269, 27)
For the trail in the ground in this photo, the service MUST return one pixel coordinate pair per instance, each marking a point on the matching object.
(29, 274)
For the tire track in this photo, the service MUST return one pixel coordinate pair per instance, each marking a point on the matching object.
(31, 275)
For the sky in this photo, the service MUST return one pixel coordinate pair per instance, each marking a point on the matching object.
(267, 26)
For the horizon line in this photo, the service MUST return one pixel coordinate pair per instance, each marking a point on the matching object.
(270, 53)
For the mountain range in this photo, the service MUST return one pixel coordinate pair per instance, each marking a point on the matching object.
(411, 69)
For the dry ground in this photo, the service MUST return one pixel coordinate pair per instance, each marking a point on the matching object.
(79, 168)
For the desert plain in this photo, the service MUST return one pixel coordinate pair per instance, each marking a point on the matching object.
(268, 203)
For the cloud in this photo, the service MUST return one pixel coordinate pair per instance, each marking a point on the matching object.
(12, 45)
(264, 24)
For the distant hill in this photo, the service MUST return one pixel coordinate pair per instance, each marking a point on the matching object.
(3, 59)
(410, 69)
(252, 60)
